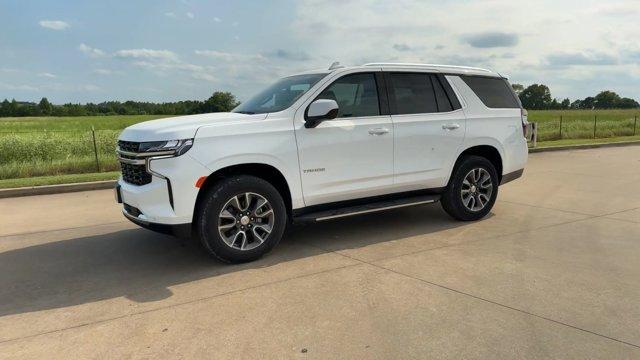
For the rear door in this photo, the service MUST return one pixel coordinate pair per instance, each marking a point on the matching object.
(429, 126)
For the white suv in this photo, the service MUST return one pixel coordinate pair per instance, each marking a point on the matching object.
(322, 145)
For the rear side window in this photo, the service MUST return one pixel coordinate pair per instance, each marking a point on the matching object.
(494, 92)
(442, 99)
(413, 93)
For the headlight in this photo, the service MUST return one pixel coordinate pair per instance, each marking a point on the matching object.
(169, 147)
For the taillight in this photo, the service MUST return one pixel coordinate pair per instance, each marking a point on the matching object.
(525, 122)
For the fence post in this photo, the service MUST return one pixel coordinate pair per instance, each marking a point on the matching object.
(595, 125)
(560, 132)
(635, 123)
(95, 148)
(534, 134)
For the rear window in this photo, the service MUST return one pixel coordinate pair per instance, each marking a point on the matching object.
(494, 92)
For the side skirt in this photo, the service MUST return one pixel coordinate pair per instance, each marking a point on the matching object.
(366, 205)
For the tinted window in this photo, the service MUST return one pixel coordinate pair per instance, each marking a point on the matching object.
(494, 92)
(444, 104)
(413, 93)
(356, 95)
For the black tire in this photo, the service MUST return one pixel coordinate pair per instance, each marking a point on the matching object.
(217, 196)
(452, 199)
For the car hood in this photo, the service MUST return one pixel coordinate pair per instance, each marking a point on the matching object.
(180, 127)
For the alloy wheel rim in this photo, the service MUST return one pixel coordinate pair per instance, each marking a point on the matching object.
(477, 188)
(245, 221)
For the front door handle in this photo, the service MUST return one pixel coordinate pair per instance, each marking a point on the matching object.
(378, 131)
(450, 126)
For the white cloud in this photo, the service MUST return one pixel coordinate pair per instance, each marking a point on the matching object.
(170, 14)
(146, 54)
(13, 87)
(542, 33)
(90, 51)
(103, 72)
(190, 15)
(229, 57)
(47, 75)
(217, 19)
(54, 24)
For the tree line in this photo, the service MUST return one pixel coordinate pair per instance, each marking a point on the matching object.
(533, 97)
(538, 97)
(218, 102)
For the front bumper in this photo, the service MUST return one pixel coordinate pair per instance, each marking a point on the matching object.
(179, 230)
(169, 198)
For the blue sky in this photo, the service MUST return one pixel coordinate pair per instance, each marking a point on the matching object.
(81, 51)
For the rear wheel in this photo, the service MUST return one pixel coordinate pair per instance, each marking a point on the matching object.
(241, 218)
(472, 190)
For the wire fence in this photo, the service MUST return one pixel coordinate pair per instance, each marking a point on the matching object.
(56, 152)
(40, 153)
(572, 126)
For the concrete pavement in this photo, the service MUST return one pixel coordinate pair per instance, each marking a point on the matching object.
(554, 271)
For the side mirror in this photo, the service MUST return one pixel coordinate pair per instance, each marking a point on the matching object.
(319, 111)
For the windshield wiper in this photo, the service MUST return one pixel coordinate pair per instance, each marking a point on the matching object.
(245, 112)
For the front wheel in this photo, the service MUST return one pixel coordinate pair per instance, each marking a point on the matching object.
(241, 219)
(472, 190)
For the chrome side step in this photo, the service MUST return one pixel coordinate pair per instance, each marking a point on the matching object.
(340, 212)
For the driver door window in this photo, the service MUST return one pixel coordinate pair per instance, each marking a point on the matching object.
(356, 95)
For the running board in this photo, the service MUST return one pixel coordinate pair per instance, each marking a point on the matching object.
(367, 208)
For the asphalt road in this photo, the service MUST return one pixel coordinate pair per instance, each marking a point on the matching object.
(553, 272)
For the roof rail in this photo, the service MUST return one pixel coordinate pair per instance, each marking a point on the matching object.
(335, 65)
(427, 65)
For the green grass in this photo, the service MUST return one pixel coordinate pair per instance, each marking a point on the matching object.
(42, 146)
(54, 147)
(579, 124)
(564, 142)
(72, 123)
(58, 179)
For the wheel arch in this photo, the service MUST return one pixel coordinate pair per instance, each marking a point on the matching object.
(488, 152)
(263, 171)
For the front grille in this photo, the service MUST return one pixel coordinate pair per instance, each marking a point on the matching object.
(128, 146)
(135, 174)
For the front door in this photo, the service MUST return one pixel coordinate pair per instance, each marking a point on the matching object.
(351, 156)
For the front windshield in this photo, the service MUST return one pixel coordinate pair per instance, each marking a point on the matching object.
(280, 95)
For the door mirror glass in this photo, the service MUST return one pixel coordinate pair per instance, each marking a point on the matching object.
(320, 110)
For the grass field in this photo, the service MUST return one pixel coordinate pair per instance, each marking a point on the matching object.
(45, 146)
(579, 124)
(41, 146)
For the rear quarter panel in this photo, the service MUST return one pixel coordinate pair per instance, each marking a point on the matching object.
(500, 128)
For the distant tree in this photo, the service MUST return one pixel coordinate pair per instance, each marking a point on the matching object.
(536, 97)
(4, 108)
(606, 100)
(576, 104)
(13, 108)
(627, 103)
(588, 103)
(518, 88)
(565, 104)
(45, 106)
(219, 102)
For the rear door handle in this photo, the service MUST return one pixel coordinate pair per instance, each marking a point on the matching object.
(450, 126)
(378, 131)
